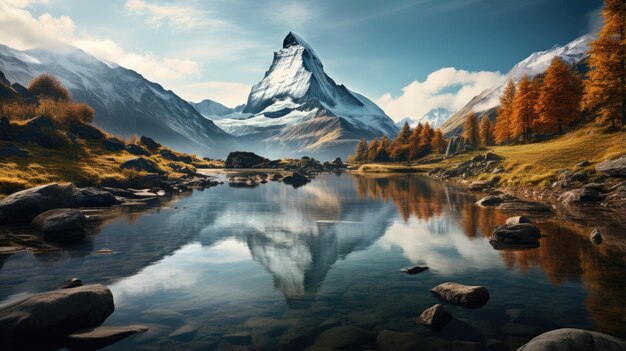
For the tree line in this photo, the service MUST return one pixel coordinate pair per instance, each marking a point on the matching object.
(409, 145)
(550, 104)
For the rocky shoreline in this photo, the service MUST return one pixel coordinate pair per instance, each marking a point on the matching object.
(576, 191)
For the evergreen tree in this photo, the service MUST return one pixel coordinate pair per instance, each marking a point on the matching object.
(524, 114)
(470, 129)
(486, 131)
(605, 90)
(502, 130)
(559, 98)
(360, 151)
(438, 144)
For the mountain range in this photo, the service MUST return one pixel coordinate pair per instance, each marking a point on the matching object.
(124, 101)
(296, 109)
(574, 53)
(435, 118)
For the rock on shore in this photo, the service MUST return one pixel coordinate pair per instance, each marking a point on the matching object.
(25, 205)
(49, 317)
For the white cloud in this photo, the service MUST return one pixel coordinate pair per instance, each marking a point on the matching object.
(183, 16)
(290, 14)
(230, 94)
(447, 87)
(20, 30)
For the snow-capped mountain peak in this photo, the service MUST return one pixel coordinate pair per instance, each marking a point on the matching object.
(294, 90)
(537, 63)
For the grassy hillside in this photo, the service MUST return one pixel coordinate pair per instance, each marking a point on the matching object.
(90, 165)
(535, 163)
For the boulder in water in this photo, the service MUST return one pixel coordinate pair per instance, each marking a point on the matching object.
(569, 339)
(436, 316)
(296, 179)
(414, 269)
(522, 235)
(243, 159)
(61, 225)
(463, 295)
(50, 316)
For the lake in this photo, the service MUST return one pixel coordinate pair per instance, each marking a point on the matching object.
(272, 267)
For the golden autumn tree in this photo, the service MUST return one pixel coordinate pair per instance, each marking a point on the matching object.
(470, 129)
(414, 141)
(502, 129)
(371, 150)
(382, 153)
(360, 151)
(485, 131)
(439, 143)
(398, 147)
(559, 98)
(425, 139)
(605, 88)
(524, 114)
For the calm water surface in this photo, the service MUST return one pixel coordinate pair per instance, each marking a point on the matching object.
(270, 267)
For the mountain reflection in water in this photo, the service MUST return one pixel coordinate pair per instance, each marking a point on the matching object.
(332, 249)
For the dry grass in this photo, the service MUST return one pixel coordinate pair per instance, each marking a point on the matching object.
(536, 163)
(90, 165)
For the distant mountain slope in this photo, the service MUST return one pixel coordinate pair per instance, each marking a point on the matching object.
(435, 118)
(295, 91)
(537, 63)
(125, 102)
(213, 110)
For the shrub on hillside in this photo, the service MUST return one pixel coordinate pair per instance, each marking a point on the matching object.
(65, 112)
(47, 86)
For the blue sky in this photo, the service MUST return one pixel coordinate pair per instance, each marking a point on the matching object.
(218, 49)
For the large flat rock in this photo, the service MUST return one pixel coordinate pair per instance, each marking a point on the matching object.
(50, 316)
(24, 205)
(463, 295)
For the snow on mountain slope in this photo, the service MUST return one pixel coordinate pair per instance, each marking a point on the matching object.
(214, 111)
(295, 90)
(125, 102)
(435, 118)
(537, 63)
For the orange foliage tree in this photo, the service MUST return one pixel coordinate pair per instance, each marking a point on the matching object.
(605, 88)
(485, 131)
(559, 98)
(524, 114)
(502, 130)
(470, 129)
